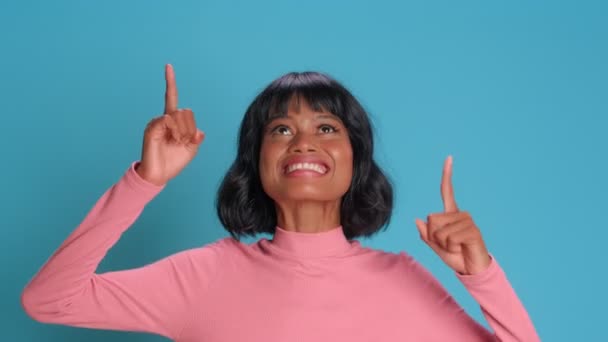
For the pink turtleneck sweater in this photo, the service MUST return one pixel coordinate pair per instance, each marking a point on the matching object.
(295, 287)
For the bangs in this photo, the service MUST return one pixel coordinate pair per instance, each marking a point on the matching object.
(320, 92)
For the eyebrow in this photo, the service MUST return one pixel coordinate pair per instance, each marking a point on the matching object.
(318, 116)
(327, 116)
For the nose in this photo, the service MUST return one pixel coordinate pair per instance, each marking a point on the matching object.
(303, 143)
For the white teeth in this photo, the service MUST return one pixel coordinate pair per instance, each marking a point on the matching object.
(306, 166)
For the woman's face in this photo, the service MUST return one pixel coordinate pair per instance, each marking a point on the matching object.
(306, 156)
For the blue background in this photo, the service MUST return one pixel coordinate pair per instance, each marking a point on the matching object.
(516, 91)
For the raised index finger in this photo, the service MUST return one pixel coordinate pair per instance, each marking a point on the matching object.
(171, 90)
(447, 190)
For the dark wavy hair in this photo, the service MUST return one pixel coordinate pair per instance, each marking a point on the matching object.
(242, 205)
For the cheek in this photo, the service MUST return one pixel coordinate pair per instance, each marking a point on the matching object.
(342, 154)
(267, 163)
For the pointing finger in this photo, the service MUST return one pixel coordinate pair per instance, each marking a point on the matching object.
(171, 90)
(447, 190)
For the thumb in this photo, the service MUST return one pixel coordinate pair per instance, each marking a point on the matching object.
(422, 229)
(198, 137)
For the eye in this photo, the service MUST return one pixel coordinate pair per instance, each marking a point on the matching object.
(328, 128)
(281, 130)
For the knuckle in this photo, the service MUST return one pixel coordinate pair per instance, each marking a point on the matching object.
(437, 217)
(167, 119)
(454, 247)
(451, 240)
(437, 235)
(476, 233)
(152, 123)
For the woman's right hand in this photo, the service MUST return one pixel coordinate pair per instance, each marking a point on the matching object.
(170, 141)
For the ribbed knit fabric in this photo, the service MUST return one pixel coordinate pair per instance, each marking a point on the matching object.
(295, 287)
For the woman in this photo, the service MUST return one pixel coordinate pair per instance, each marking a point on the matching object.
(304, 172)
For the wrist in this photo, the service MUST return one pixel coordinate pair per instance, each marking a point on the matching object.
(143, 174)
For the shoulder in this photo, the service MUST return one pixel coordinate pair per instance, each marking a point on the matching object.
(384, 261)
(221, 247)
(389, 258)
(226, 250)
(400, 264)
(204, 257)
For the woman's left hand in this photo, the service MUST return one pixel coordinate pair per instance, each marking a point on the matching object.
(452, 234)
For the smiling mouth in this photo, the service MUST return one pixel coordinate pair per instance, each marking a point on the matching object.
(314, 167)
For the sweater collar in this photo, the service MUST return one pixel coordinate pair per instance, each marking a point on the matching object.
(326, 243)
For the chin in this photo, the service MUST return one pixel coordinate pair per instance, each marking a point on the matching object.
(310, 195)
(310, 199)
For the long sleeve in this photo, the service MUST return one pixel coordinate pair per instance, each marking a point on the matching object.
(448, 321)
(156, 298)
(499, 304)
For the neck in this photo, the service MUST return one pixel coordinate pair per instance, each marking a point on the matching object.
(308, 216)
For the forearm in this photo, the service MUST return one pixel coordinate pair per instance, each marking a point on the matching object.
(500, 305)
